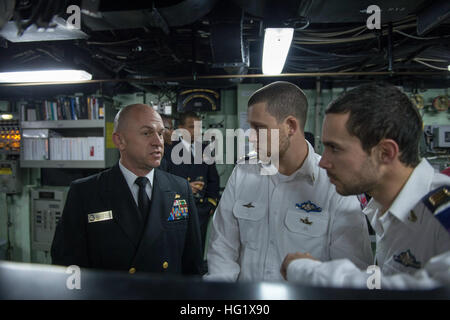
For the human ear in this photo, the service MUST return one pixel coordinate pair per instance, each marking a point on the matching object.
(118, 140)
(291, 125)
(387, 150)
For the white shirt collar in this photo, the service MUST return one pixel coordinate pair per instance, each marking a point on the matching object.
(416, 187)
(309, 168)
(130, 177)
(186, 144)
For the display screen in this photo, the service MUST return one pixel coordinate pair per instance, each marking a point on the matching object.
(46, 195)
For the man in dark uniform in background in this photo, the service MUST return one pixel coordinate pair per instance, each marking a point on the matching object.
(133, 216)
(168, 129)
(203, 177)
(167, 135)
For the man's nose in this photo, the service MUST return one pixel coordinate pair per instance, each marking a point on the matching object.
(324, 163)
(158, 141)
(253, 137)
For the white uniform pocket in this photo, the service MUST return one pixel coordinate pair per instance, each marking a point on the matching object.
(250, 216)
(308, 224)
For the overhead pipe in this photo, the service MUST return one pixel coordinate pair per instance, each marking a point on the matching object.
(390, 49)
(231, 76)
(317, 109)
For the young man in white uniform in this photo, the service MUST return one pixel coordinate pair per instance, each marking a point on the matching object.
(371, 137)
(261, 217)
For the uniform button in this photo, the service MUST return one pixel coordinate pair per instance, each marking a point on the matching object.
(132, 270)
(165, 265)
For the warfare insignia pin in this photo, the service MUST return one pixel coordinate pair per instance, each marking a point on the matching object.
(306, 221)
(248, 205)
(407, 259)
(308, 206)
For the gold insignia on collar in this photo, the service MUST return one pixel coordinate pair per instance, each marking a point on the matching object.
(100, 216)
(412, 216)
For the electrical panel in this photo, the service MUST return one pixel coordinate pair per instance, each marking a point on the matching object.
(47, 204)
(10, 177)
(10, 136)
(441, 136)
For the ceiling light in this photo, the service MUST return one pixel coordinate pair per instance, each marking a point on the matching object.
(6, 116)
(448, 67)
(276, 47)
(44, 76)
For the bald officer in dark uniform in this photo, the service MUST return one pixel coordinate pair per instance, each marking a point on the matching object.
(131, 217)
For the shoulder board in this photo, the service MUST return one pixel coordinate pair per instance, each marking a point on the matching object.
(435, 200)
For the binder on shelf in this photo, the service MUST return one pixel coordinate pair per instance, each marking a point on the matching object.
(35, 144)
(31, 113)
(78, 148)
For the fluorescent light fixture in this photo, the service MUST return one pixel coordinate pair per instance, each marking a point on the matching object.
(448, 67)
(276, 47)
(44, 76)
(6, 116)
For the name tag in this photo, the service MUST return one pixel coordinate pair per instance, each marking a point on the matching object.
(100, 216)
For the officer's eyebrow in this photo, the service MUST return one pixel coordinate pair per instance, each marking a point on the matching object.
(156, 127)
(330, 144)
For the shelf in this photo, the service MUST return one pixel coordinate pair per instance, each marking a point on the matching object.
(82, 128)
(63, 124)
(62, 164)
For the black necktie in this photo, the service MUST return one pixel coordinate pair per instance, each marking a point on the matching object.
(143, 200)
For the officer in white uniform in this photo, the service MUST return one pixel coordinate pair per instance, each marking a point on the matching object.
(409, 210)
(261, 217)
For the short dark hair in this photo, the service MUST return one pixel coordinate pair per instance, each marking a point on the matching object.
(381, 111)
(283, 99)
(166, 116)
(186, 115)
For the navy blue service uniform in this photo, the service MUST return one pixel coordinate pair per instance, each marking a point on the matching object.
(101, 226)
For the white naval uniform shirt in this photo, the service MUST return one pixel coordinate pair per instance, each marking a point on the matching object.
(259, 220)
(130, 178)
(413, 249)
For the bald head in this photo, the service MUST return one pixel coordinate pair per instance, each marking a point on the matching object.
(127, 113)
(138, 134)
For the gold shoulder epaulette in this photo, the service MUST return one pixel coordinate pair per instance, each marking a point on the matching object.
(440, 197)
